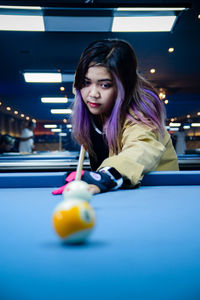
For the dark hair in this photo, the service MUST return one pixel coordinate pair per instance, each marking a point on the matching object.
(133, 93)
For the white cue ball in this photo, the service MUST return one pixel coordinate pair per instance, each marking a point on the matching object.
(77, 189)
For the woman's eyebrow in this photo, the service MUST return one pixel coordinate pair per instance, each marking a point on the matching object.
(106, 79)
(100, 80)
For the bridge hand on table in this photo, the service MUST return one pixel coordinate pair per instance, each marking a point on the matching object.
(99, 182)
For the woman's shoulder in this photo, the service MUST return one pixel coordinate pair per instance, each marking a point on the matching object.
(132, 120)
(133, 126)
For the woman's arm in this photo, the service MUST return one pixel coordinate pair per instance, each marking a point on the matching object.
(141, 153)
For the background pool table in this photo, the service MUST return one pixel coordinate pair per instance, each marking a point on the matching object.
(146, 243)
(52, 161)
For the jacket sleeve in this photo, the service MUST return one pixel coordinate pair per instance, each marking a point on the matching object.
(141, 153)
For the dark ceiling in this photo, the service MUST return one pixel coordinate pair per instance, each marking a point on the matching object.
(178, 72)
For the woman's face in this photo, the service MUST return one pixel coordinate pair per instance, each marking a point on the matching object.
(99, 91)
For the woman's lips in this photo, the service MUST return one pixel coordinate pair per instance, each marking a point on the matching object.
(92, 104)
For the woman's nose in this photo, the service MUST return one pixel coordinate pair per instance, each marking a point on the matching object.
(94, 91)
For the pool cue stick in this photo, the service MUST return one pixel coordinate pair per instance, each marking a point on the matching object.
(80, 163)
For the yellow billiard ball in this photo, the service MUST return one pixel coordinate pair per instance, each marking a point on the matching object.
(73, 220)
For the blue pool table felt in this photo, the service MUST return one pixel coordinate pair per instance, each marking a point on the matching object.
(146, 245)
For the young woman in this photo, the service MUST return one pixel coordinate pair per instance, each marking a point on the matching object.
(118, 118)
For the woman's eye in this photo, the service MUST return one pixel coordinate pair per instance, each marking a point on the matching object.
(106, 85)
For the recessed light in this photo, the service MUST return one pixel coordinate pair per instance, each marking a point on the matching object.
(152, 71)
(170, 50)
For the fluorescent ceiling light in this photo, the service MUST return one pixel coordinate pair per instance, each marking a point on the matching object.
(50, 126)
(61, 111)
(150, 8)
(54, 100)
(21, 23)
(186, 127)
(69, 125)
(174, 128)
(63, 134)
(174, 124)
(20, 7)
(143, 24)
(195, 124)
(56, 130)
(43, 77)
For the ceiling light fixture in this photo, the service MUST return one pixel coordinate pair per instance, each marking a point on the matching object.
(21, 18)
(152, 71)
(174, 124)
(195, 124)
(61, 111)
(143, 24)
(50, 126)
(150, 8)
(54, 100)
(171, 50)
(145, 19)
(174, 128)
(20, 7)
(42, 77)
(56, 130)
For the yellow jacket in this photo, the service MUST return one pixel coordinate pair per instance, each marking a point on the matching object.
(142, 151)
